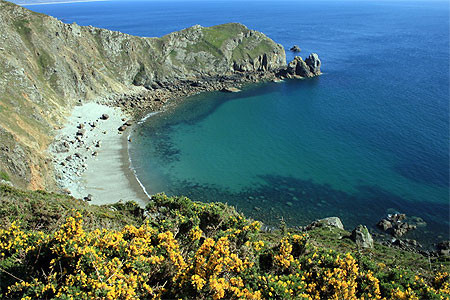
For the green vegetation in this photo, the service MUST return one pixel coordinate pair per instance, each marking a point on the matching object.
(22, 27)
(4, 176)
(54, 246)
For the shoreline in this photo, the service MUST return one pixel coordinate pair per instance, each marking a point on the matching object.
(92, 162)
(97, 167)
(62, 2)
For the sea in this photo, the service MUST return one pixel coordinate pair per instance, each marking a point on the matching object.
(368, 138)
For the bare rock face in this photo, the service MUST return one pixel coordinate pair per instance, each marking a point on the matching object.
(362, 237)
(314, 63)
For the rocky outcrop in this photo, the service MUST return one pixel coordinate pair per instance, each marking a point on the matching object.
(314, 63)
(47, 67)
(362, 237)
(330, 221)
(396, 225)
(299, 68)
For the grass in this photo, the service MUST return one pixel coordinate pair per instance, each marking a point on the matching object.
(23, 29)
(47, 211)
(4, 176)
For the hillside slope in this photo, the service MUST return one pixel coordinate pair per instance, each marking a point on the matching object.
(56, 247)
(47, 67)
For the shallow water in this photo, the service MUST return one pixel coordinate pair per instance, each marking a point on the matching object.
(367, 138)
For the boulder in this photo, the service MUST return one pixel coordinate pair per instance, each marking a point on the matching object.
(122, 128)
(362, 237)
(81, 132)
(231, 90)
(444, 248)
(402, 229)
(314, 63)
(104, 117)
(384, 224)
(330, 221)
(295, 48)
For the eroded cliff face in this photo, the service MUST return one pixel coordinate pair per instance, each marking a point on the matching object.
(47, 67)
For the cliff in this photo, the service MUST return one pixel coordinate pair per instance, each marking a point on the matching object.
(47, 67)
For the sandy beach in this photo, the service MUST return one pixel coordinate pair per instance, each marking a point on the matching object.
(91, 156)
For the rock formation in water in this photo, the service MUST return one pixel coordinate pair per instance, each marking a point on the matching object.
(295, 48)
(298, 67)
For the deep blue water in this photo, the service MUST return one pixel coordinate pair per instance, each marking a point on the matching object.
(369, 137)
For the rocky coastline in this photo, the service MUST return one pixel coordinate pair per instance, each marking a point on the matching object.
(93, 128)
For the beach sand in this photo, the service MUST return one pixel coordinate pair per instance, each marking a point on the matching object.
(95, 161)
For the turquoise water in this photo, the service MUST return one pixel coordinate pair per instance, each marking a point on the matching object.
(367, 138)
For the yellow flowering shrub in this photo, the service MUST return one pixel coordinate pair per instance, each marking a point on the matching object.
(187, 250)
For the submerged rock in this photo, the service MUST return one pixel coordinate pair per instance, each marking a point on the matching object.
(362, 237)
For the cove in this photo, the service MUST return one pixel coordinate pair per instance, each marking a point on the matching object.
(297, 150)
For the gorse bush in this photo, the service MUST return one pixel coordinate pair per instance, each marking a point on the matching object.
(188, 250)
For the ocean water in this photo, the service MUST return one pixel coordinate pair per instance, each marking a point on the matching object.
(368, 137)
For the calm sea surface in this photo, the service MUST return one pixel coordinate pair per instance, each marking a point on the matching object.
(369, 137)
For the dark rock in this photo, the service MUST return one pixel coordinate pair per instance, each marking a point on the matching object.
(81, 132)
(362, 237)
(384, 224)
(63, 147)
(122, 128)
(104, 117)
(314, 63)
(444, 248)
(394, 225)
(295, 48)
(298, 67)
(402, 229)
